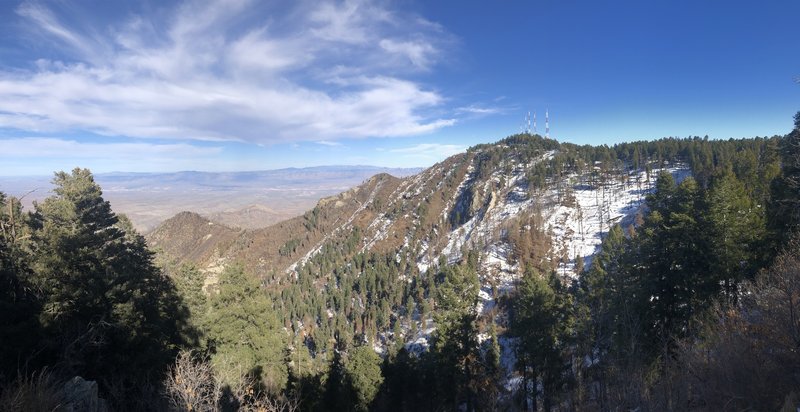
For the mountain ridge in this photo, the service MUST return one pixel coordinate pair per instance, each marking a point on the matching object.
(468, 200)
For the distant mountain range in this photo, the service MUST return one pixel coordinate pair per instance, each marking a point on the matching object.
(250, 200)
(289, 178)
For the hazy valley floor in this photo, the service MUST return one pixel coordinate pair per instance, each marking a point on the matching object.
(247, 200)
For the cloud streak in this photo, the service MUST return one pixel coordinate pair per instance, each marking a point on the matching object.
(212, 71)
(474, 111)
(42, 155)
(329, 143)
(46, 147)
(426, 152)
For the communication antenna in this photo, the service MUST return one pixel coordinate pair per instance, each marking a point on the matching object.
(547, 124)
(528, 123)
(534, 122)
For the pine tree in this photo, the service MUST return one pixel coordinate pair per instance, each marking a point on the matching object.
(455, 342)
(489, 381)
(363, 376)
(605, 296)
(19, 330)
(673, 269)
(243, 332)
(104, 302)
(785, 201)
(579, 265)
(189, 282)
(735, 229)
(542, 320)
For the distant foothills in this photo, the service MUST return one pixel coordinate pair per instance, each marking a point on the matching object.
(248, 199)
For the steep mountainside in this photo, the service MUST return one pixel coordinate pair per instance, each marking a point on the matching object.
(467, 201)
(523, 201)
(190, 238)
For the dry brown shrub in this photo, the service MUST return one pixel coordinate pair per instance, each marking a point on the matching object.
(192, 384)
(40, 391)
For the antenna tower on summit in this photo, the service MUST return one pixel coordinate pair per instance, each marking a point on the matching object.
(528, 124)
(547, 124)
(534, 122)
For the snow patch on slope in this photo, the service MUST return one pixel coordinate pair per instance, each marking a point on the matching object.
(582, 213)
(510, 198)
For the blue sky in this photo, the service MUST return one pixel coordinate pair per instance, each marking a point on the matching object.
(248, 85)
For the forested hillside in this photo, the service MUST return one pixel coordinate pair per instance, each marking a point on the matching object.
(526, 274)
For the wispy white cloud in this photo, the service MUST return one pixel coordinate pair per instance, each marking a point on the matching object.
(46, 147)
(430, 150)
(42, 155)
(346, 22)
(480, 110)
(419, 53)
(49, 25)
(329, 143)
(212, 71)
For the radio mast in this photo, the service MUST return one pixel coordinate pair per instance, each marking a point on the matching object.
(547, 123)
(528, 123)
